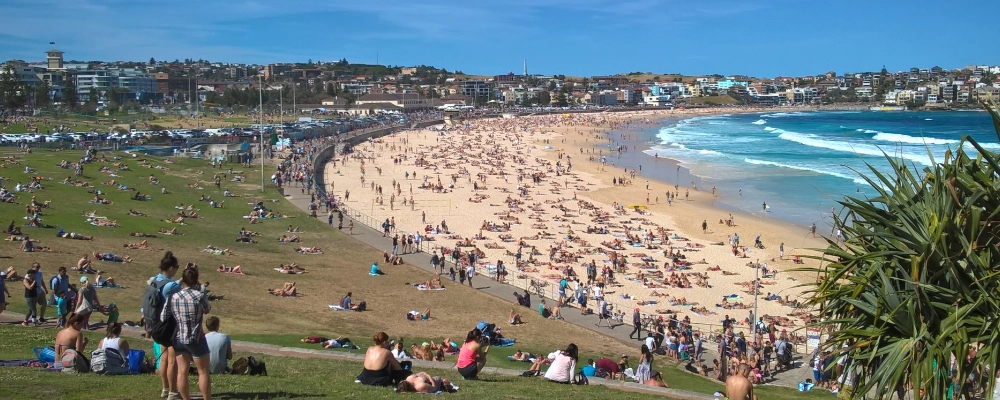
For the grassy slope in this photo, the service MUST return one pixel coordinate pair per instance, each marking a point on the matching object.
(248, 312)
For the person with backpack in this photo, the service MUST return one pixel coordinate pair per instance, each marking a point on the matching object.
(111, 356)
(113, 340)
(188, 307)
(161, 287)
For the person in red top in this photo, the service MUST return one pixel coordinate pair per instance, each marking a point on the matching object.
(607, 365)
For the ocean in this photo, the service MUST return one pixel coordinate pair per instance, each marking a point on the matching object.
(800, 162)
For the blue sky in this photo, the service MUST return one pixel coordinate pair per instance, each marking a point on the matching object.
(572, 37)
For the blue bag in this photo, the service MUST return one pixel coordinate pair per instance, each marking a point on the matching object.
(136, 358)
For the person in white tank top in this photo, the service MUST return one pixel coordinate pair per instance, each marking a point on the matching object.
(113, 340)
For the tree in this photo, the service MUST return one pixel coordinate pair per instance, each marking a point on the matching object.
(70, 97)
(42, 99)
(92, 99)
(552, 86)
(13, 92)
(559, 100)
(914, 284)
(544, 98)
(152, 61)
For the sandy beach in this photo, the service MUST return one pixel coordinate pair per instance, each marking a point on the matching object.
(538, 186)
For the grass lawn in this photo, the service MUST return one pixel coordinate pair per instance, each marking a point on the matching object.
(288, 377)
(248, 312)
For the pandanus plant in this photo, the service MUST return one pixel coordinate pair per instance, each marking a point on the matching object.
(911, 298)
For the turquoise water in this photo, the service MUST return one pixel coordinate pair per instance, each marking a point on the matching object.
(800, 162)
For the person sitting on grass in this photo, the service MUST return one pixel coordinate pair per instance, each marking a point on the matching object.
(472, 356)
(13, 229)
(346, 303)
(380, 367)
(27, 245)
(563, 367)
(106, 282)
(288, 290)
(375, 270)
(422, 352)
(514, 318)
(399, 352)
(550, 313)
(422, 382)
(447, 346)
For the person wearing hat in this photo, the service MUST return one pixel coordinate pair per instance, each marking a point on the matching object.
(86, 302)
(636, 325)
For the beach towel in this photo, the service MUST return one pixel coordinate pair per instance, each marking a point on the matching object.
(236, 273)
(371, 274)
(424, 287)
(335, 307)
(505, 342)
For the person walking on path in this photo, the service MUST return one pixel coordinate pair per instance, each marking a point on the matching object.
(434, 263)
(637, 325)
(470, 271)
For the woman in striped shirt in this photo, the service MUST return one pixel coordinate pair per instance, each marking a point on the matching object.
(188, 307)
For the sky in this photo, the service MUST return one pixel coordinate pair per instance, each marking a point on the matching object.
(762, 38)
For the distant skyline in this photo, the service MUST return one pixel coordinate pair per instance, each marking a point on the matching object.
(762, 38)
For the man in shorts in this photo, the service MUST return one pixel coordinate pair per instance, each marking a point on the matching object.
(604, 314)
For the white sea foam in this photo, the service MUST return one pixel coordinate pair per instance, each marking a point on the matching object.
(866, 149)
(928, 119)
(869, 131)
(907, 139)
(806, 168)
(770, 129)
(709, 152)
(759, 122)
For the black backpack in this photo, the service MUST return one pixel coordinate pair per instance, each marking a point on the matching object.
(152, 302)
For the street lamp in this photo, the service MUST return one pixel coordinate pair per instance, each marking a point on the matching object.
(260, 88)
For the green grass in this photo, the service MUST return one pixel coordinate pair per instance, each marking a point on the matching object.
(288, 377)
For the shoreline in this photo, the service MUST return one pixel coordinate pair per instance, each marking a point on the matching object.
(576, 136)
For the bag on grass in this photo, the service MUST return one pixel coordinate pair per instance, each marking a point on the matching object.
(108, 362)
(73, 362)
(136, 358)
